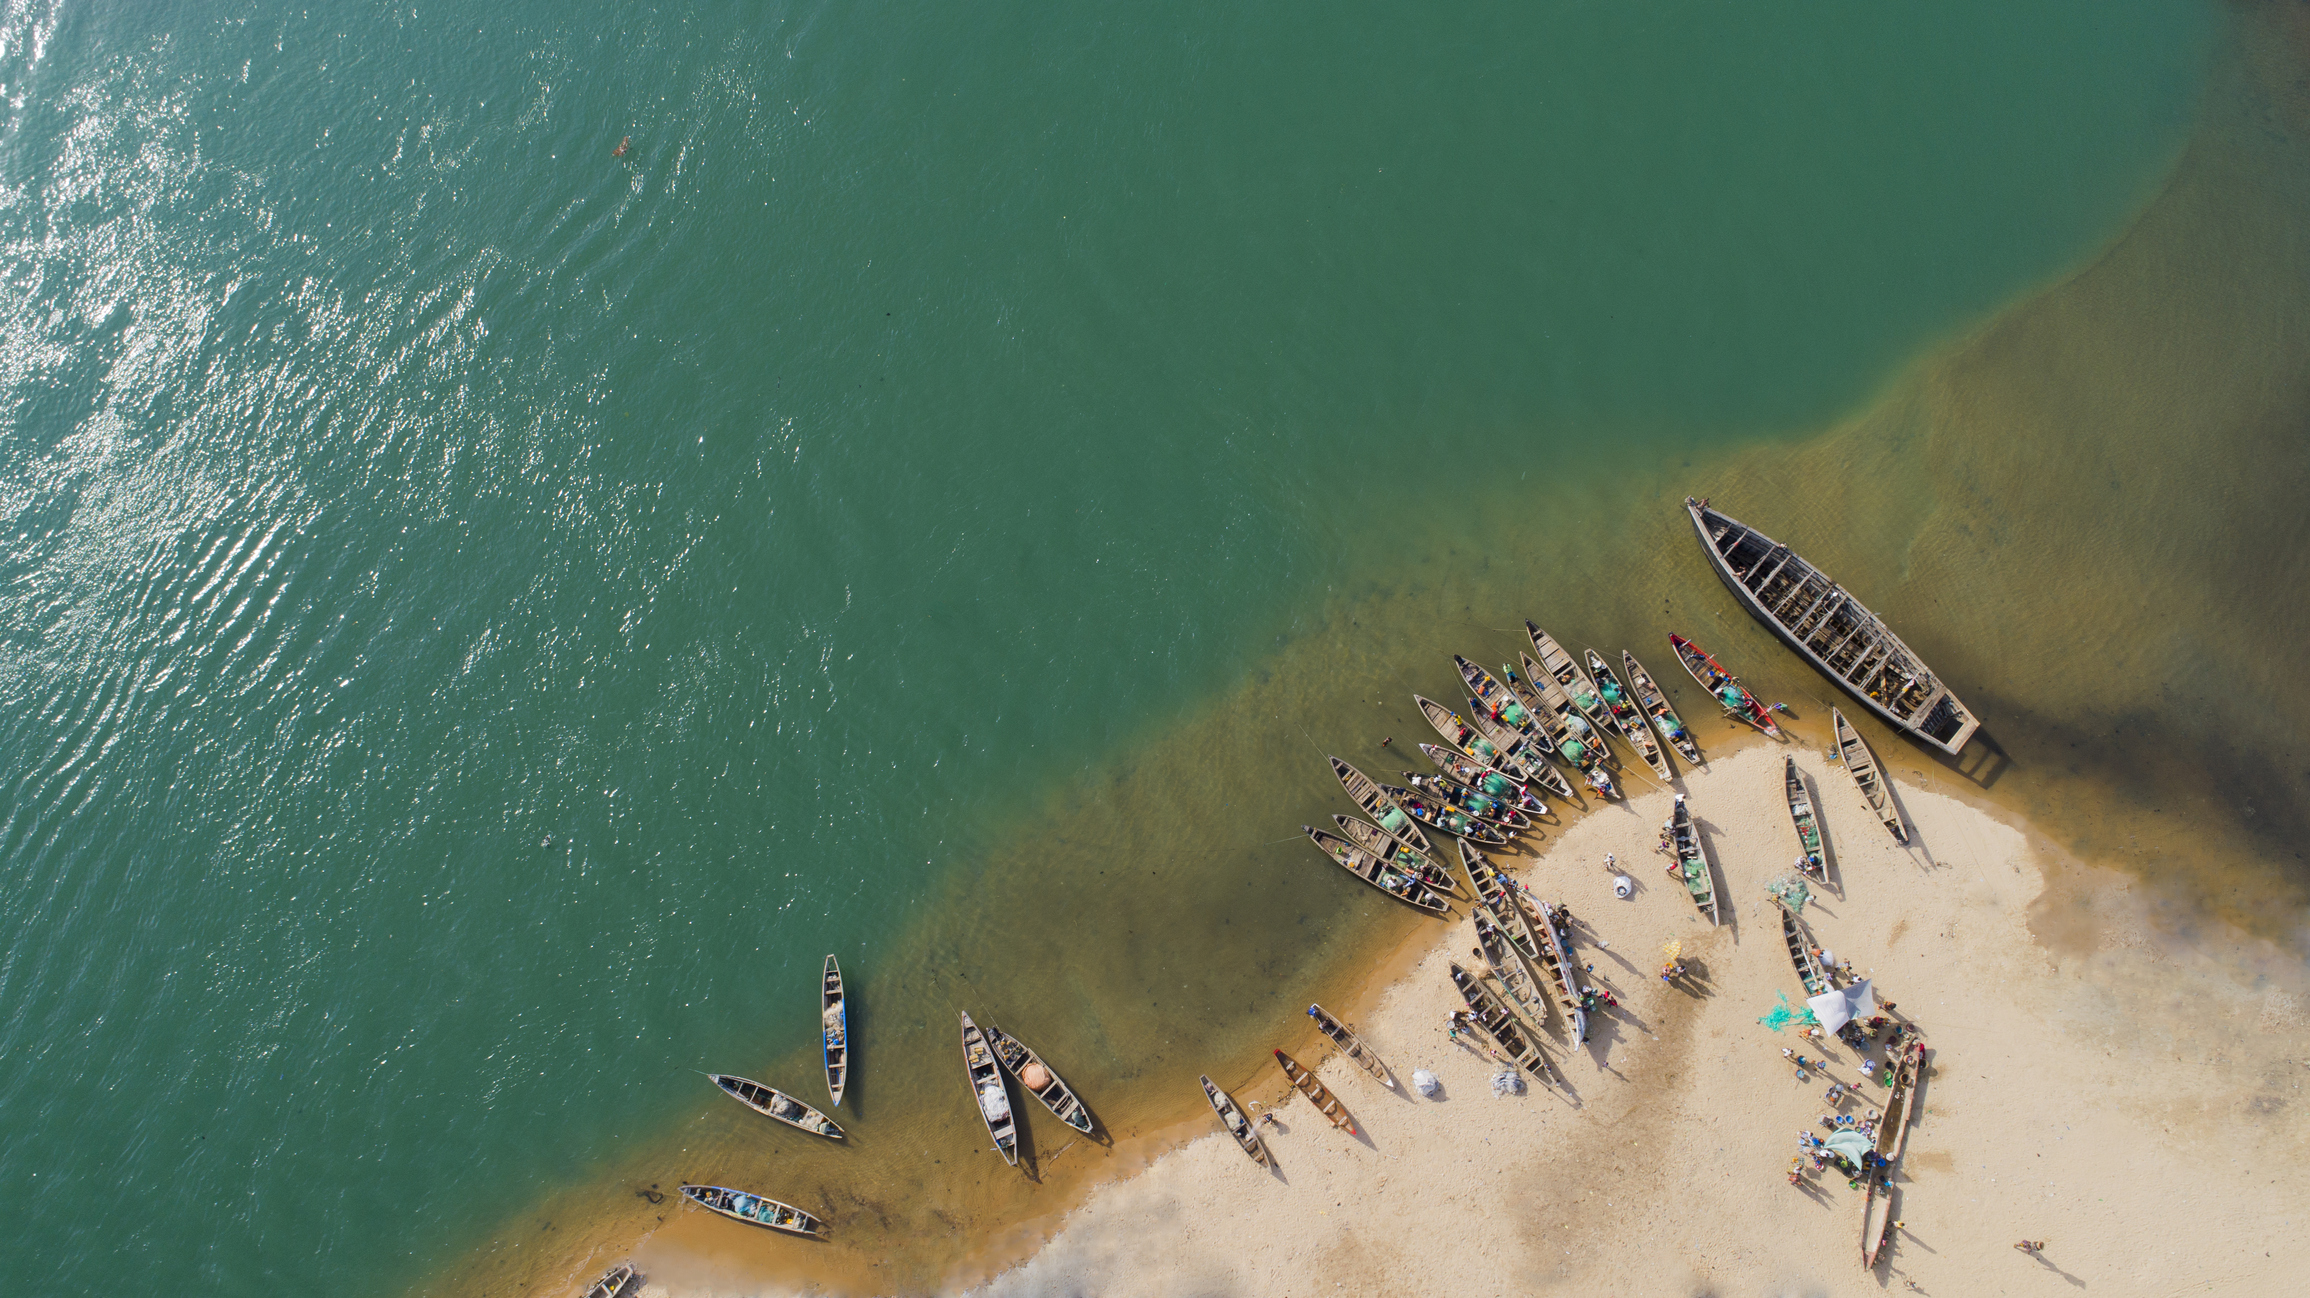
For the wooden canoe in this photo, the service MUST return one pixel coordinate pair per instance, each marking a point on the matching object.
(1861, 764)
(1515, 759)
(1509, 968)
(1238, 1126)
(1304, 1081)
(613, 1282)
(1578, 743)
(1430, 810)
(834, 1031)
(1403, 885)
(988, 1094)
(1803, 954)
(1351, 1045)
(1484, 779)
(1534, 934)
(771, 1102)
(1634, 726)
(1812, 860)
(1655, 704)
(1022, 1062)
(1392, 853)
(1494, 1020)
(1892, 1138)
(1556, 963)
(1723, 686)
(1495, 701)
(1501, 811)
(755, 1210)
(1578, 685)
(1829, 629)
(1380, 807)
(1532, 749)
(1691, 862)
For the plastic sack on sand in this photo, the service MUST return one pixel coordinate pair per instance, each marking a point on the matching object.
(1507, 1082)
(1425, 1082)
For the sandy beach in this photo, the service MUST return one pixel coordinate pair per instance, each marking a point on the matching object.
(2136, 1108)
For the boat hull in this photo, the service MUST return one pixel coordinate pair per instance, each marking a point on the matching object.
(1748, 600)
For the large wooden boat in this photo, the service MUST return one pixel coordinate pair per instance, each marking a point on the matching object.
(1578, 685)
(1238, 1126)
(1804, 954)
(1039, 1079)
(834, 1031)
(771, 1102)
(1403, 885)
(1691, 862)
(1509, 968)
(1892, 1138)
(1304, 1081)
(1633, 725)
(1350, 1044)
(1493, 1018)
(1392, 853)
(1861, 764)
(1432, 812)
(1813, 860)
(992, 1098)
(1723, 686)
(755, 1210)
(1486, 807)
(1577, 743)
(1829, 629)
(613, 1282)
(1655, 704)
(1484, 779)
(1533, 935)
(1517, 758)
(1374, 800)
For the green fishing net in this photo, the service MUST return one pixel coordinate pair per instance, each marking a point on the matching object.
(1792, 891)
(1783, 1014)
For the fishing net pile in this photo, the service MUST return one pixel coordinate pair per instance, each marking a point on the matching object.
(1783, 1014)
(1507, 1082)
(1792, 891)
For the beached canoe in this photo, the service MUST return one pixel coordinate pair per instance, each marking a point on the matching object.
(1723, 686)
(1861, 764)
(755, 1210)
(1492, 1017)
(1403, 885)
(1804, 954)
(1531, 927)
(1812, 860)
(1557, 966)
(992, 1098)
(1238, 1126)
(1577, 742)
(1039, 1079)
(1501, 811)
(1634, 727)
(613, 1283)
(1509, 967)
(1892, 1138)
(1393, 854)
(771, 1102)
(1691, 863)
(1484, 779)
(834, 1031)
(1577, 683)
(1829, 629)
(1517, 758)
(1304, 1081)
(1429, 810)
(1351, 1045)
(1650, 697)
(1380, 807)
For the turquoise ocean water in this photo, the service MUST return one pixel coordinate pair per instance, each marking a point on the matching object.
(481, 617)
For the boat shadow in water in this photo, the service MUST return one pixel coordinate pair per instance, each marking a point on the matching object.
(1983, 763)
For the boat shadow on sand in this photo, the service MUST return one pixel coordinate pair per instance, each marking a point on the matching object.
(1727, 910)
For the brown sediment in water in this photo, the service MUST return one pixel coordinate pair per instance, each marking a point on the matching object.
(2086, 515)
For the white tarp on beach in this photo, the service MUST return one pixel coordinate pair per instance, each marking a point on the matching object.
(1836, 1009)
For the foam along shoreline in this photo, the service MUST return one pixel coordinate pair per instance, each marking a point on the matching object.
(2080, 1092)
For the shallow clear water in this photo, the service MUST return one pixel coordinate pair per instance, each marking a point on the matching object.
(482, 616)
